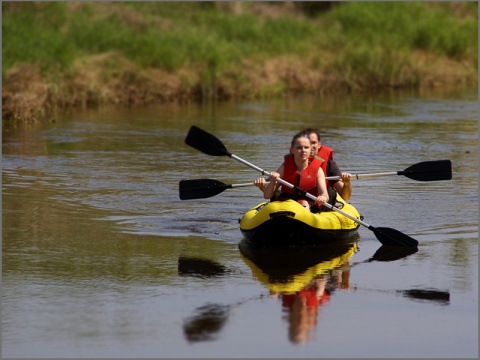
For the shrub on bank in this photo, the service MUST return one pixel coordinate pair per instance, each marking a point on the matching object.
(85, 53)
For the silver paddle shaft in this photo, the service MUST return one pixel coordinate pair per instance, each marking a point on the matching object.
(310, 196)
(359, 176)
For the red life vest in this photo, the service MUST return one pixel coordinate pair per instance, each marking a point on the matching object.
(325, 153)
(309, 294)
(307, 180)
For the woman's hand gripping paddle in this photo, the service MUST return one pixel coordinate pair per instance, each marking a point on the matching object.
(210, 145)
(435, 170)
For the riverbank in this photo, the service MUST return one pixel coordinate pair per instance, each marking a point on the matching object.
(146, 53)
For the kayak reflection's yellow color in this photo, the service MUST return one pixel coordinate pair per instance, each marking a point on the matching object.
(291, 279)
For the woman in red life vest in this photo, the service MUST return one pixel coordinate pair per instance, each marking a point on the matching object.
(301, 170)
(329, 166)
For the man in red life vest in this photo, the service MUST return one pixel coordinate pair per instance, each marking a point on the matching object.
(324, 154)
(329, 166)
(300, 169)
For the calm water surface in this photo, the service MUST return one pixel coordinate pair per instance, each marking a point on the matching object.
(102, 259)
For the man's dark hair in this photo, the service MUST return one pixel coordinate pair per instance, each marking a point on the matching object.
(309, 131)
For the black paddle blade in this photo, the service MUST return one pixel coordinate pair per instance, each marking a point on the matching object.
(442, 297)
(205, 142)
(393, 253)
(200, 188)
(429, 171)
(200, 267)
(206, 323)
(392, 237)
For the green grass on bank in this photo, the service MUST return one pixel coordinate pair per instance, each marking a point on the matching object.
(164, 35)
(174, 35)
(410, 26)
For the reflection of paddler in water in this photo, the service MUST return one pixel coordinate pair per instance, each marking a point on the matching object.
(304, 282)
(303, 306)
(304, 276)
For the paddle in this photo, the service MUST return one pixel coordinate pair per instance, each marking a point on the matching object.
(210, 145)
(435, 170)
(193, 266)
(206, 323)
(204, 188)
(423, 171)
(442, 297)
(391, 253)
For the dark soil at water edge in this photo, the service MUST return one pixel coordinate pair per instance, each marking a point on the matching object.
(59, 55)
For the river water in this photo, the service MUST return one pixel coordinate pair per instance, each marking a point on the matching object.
(102, 259)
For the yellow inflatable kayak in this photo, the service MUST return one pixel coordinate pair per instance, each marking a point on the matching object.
(289, 223)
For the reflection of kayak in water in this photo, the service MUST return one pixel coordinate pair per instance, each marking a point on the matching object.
(289, 223)
(289, 270)
(302, 277)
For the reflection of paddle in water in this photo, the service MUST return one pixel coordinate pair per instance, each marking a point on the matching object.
(208, 319)
(206, 323)
(303, 289)
(193, 266)
(392, 253)
(441, 297)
